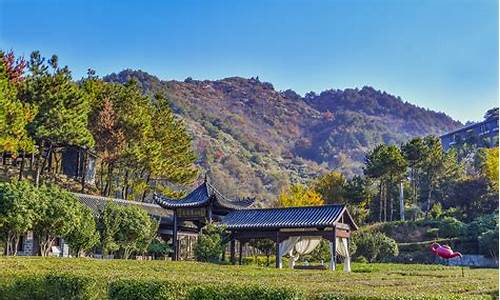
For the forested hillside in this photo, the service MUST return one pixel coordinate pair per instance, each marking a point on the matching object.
(254, 139)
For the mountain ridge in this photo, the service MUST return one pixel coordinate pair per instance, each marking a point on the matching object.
(253, 139)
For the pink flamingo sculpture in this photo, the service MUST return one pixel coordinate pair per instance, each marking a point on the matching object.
(444, 251)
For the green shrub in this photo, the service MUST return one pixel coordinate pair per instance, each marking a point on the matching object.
(488, 242)
(249, 292)
(450, 227)
(51, 286)
(136, 289)
(25, 287)
(261, 261)
(436, 210)
(70, 287)
(387, 248)
(361, 259)
(413, 213)
(210, 243)
(375, 247)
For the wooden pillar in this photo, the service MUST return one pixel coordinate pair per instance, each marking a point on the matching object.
(333, 250)
(241, 253)
(210, 213)
(278, 256)
(233, 251)
(174, 237)
(347, 259)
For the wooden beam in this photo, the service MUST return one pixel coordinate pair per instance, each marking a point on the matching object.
(326, 234)
(278, 256)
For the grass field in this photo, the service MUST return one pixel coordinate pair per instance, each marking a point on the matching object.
(367, 281)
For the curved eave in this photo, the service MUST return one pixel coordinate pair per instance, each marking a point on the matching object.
(200, 197)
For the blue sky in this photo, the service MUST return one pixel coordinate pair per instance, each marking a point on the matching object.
(439, 54)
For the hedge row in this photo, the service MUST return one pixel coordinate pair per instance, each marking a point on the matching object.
(73, 287)
(65, 286)
(50, 286)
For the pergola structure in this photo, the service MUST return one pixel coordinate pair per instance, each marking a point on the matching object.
(286, 226)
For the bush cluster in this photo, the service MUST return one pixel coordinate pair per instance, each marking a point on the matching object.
(50, 286)
(374, 247)
(79, 287)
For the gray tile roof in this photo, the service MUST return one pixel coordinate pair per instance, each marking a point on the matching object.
(98, 203)
(289, 217)
(201, 196)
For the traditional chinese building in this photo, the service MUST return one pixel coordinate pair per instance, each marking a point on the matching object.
(296, 230)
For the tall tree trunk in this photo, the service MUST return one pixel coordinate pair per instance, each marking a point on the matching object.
(109, 180)
(16, 244)
(84, 170)
(100, 185)
(32, 160)
(380, 202)
(21, 168)
(125, 185)
(49, 162)
(148, 178)
(385, 201)
(41, 165)
(429, 199)
(391, 208)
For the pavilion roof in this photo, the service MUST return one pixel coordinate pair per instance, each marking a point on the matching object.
(288, 217)
(200, 196)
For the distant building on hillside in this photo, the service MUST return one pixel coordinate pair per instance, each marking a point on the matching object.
(483, 134)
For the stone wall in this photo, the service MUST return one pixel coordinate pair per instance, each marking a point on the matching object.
(470, 260)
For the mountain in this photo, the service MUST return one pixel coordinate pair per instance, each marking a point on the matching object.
(253, 139)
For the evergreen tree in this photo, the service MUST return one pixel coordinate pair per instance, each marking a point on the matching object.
(387, 165)
(14, 117)
(62, 108)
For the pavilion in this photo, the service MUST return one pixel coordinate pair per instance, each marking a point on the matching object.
(296, 230)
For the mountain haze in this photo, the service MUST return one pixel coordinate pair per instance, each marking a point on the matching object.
(253, 139)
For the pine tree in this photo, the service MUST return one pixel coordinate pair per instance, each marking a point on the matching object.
(14, 117)
(62, 108)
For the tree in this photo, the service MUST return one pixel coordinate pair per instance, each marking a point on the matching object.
(171, 155)
(387, 165)
(136, 232)
(62, 108)
(109, 224)
(159, 247)
(331, 187)
(489, 166)
(491, 113)
(299, 195)
(437, 166)
(267, 246)
(126, 228)
(414, 152)
(58, 212)
(375, 247)
(138, 139)
(18, 212)
(14, 67)
(358, 194)
(14, 118)
(211, 242)
(488, 242)
(84, 235)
